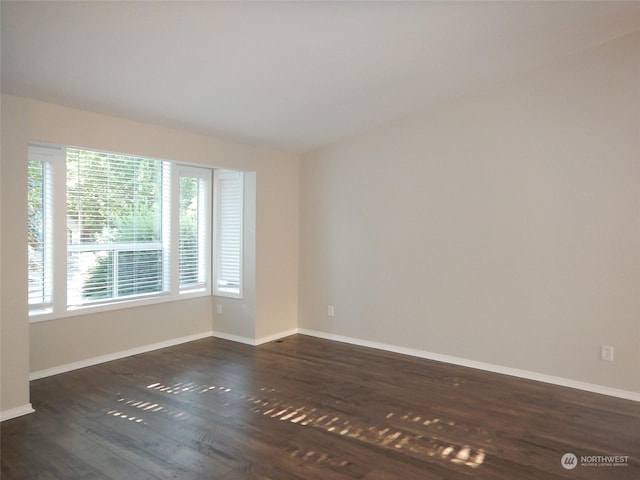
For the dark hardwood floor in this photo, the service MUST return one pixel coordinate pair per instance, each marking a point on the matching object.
(305, 408)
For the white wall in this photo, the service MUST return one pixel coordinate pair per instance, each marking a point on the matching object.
(500, 227)
(272, 246)
(14, 332)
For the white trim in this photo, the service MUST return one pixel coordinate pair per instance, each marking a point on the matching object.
(16, 412)
(276, 336)
(257, 341)
(55, 158)
(119, 304)
(116, 356)
(68, 367)
(463, 362)
(234, 338)
(220, 176)
(116, 247)
(205, 225)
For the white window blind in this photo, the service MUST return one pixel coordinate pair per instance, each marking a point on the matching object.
(114, 226)
(228, 188)
(194, 234)
(107, 231)
(39, 237)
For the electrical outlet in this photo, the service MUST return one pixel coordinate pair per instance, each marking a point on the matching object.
(606, 353)
(330, 311)
(219, 308)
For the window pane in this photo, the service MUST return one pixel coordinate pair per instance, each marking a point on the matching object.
(139, 272)
(105, 227)
(39, 286)
(194, 238)
(114, 226)
(95, 282)
(229, 210)
(189, 274)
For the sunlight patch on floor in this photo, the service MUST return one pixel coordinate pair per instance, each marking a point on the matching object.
(187, 387)
(413, 433)
(123, 416)
(423, 443)
(319, 458)
(144, 410)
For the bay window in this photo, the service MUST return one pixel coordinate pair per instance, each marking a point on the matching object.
(108, 230)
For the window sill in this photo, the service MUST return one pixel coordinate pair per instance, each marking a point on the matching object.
(120, 305)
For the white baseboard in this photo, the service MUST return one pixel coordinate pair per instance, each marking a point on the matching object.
(564, 382)
(16, 412)
(233, 338)
(276, 336)
(257, 341)
(116, 356)
(154, 346)
(463, 362)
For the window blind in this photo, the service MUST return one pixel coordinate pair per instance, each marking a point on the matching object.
(114, 226)
(194, 235)
(106, 229)
(228, 188)
(39, 232)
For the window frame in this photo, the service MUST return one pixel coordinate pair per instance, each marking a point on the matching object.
(205, 228)
(54, 159)
(50, 158)
(220, 175)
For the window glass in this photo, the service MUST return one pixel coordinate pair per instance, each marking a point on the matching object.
(114, 226)
(228, 186)
(106, 228)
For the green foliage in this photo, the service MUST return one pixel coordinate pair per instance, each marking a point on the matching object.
(188, 231)
(104, 190)
(131, 215)
(117, 199)
(188, 250)
(35, 215)
(137, 271)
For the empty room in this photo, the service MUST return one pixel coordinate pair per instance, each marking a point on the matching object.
(299, 240)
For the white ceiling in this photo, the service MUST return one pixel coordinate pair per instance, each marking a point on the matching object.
(289, 75)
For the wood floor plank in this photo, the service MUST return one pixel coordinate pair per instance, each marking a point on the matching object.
(307, 408)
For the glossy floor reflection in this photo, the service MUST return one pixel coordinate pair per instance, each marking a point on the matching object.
(305, 408)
